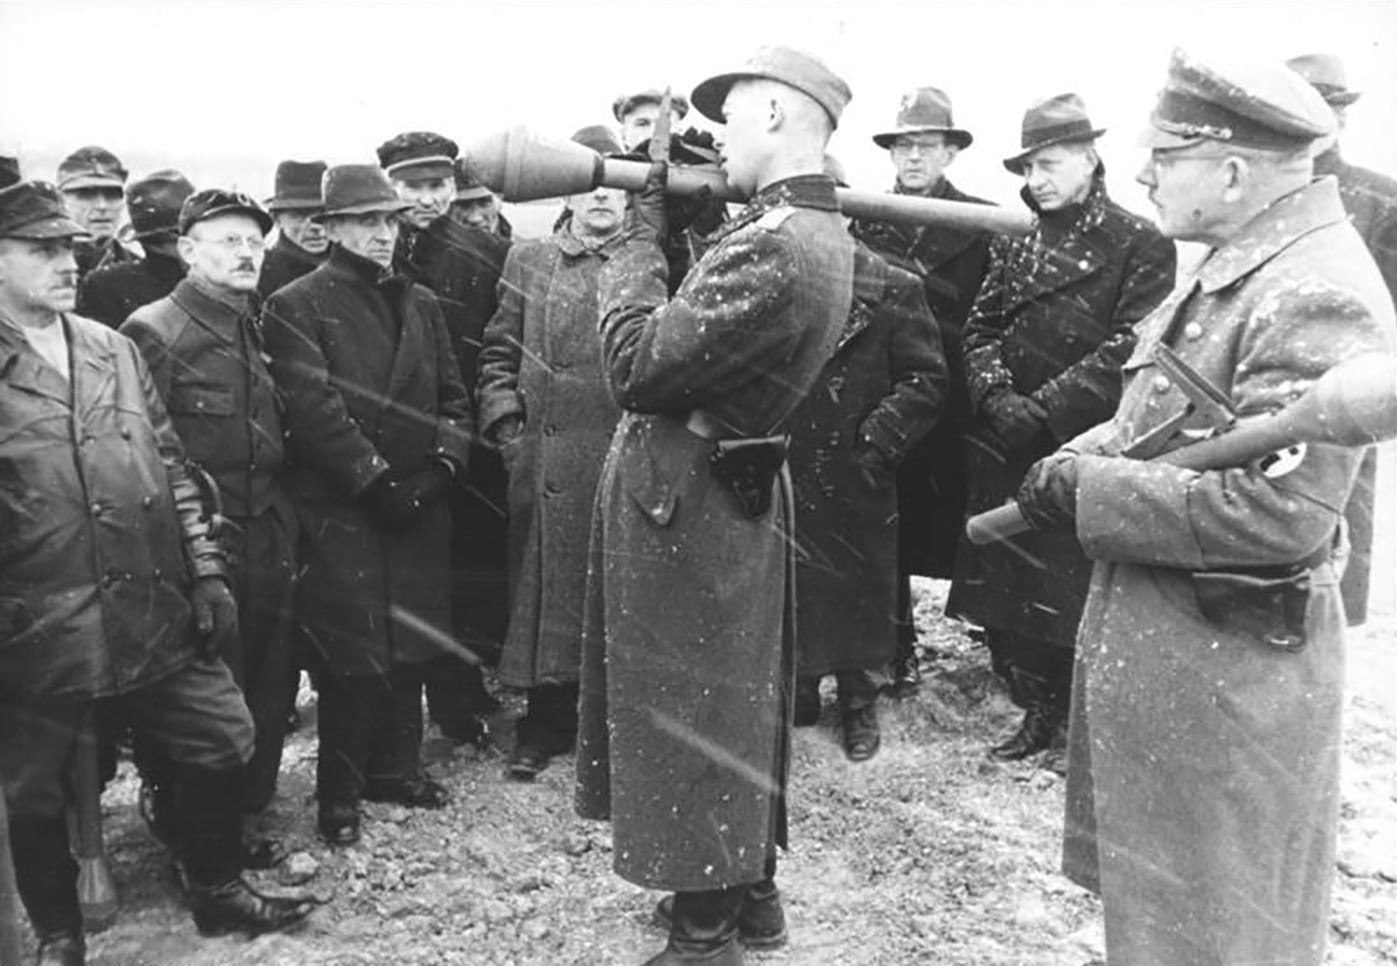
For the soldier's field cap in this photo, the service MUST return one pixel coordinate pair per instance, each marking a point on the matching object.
(626, 103)
(418, 154)
(212, 202)
(1265, 106)
(90, 167)
(469, 185)
(1325, 72)
(358, 189)
(35, 210)
(795, 68)
(297, 186)
(154, 202)
(925, 110)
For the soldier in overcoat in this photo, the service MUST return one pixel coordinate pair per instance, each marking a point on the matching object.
(687, 651)
(378, 429)
(1203, 787)
(544, 401)
(1043, 351)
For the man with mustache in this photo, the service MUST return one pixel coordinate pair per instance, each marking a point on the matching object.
(92, 180)
(204, 350)
(111, 588)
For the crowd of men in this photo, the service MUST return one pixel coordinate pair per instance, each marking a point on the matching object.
(671, 465)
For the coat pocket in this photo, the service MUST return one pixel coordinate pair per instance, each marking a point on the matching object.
(1269, 607)
(650, 491)
(201, 399)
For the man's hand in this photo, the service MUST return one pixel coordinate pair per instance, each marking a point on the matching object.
(215, 615)
(649, 204)
(1016, 419)
(506, 428)
(1048, 494)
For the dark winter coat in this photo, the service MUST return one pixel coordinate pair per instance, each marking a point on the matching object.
(92, 254)
(1203, 775)
(207, 362)
(874, 400)
(1371, 201)
(111, 293)
(462, 266)
(364, 366)
(687, 652)
(94, 498)
(285, 262)
(542, 363)
(932, 479)
(1054, 321)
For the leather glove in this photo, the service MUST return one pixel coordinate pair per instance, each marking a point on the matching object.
(1048, 495)
(215, 615)
(1015, 419)
(649, 205)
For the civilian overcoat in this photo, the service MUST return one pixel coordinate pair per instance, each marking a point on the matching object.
(111, 293)
(688, 650)
(285, 262)
(1203, 774)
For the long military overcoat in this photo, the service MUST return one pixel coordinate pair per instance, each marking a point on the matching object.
(932, 488)
(369, 382)
(1203, 763)
(542, 362)
(874, 400)
(1054, 321)
(688, 650)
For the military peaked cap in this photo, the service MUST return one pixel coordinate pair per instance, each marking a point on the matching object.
(35, 210)
(90, 167)
(418, 149)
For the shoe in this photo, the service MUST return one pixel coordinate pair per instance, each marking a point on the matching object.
(807, 702)
(470, 730)
(762, 925)
(339, 824)
(415, 792)
(862, 736)
(906, 672)
(62, 949)
(236, 907)
(525, 763)
(1035, 734)
(262, 851)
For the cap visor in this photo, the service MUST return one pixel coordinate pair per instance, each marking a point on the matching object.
(709, 95)
(1157, 140)
(423, 169)
(471, 194)
(91, 181)
(55, 226)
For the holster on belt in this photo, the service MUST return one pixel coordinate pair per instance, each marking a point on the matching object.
(1268, 603)
(748, 468)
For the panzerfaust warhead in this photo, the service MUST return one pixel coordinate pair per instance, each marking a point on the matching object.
(523, 167)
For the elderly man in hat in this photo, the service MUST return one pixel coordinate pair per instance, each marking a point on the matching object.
(461, 264)
(378, 427)
(1044, 345)
(1203, 783)
(203, 348)
(112, 588)
(545, 403)
(685, 703)
(92, 179)
(475, 204)
(637, 114)
(1371, 201)
(113, 291)
(922, 144)
(300, 244)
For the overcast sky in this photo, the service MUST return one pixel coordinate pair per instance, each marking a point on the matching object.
(223, 90)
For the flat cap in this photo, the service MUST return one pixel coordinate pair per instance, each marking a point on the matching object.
(1263, 105)
(90, 167)
(626, 103)
(1326, 74)
(794, 68)
(469, 184)
(418, 149)
(154, 202)
(9, 171)
(211, 202)
(297, 186)
(34, 209)
(599, 138)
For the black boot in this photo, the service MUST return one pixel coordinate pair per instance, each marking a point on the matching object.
(762, 923)
(210, 844)
(807, 701)
(704, 929)
(47, 879)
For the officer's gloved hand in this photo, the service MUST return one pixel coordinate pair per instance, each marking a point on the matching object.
(1017, 420)
(215, 615)
(649, 206)
(1048, 495)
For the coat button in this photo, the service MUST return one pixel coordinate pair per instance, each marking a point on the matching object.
(96, 509)
(1193, 332)
(125, 432)
(549, 490)
(147, 502)
(1161, 384)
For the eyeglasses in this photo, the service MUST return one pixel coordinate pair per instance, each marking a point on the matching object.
(254, 243)
(907, 146)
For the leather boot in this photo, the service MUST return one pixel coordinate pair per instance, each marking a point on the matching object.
(210, 844)
(906, 671)
(47, 878)
(704, 929)
(762, 923)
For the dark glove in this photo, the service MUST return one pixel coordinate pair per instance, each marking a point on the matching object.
(215, 615)
(1015, 419)
(649, 203)
(1048, 494)
(672, 215)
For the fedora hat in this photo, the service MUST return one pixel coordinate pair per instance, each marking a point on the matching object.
(925, 110)
(358, 189)
(1059, 119)
(1326, 74)
(297, 186)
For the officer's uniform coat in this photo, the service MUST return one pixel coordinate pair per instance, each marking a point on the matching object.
(687, 653)
(875, 399)
(542, 362)
(1203, 763)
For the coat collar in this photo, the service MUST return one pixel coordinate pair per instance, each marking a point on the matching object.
(289, 249)
(574, 247)
(803, 191)
(364, 271)
(219, 318)
(1285, 221)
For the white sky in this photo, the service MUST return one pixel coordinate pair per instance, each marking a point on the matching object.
(223, 90)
